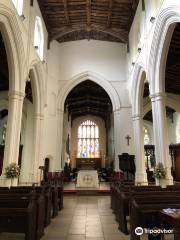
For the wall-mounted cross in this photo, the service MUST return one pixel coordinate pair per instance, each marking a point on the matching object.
(128, 139)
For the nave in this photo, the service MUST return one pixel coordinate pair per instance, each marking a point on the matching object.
(82, 218)
(85, 217)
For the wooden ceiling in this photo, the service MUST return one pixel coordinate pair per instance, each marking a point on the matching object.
(88, 98)
(70, 20)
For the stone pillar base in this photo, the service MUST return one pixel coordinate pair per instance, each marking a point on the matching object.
(141, 179)
(6, 182)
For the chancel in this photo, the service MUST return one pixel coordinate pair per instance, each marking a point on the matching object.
(89, 119)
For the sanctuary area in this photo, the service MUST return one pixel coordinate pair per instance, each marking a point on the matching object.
(90, 119)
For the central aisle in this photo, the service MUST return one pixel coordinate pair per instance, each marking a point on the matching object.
(85, 218)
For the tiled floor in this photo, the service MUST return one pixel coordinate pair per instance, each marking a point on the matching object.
(85, 218)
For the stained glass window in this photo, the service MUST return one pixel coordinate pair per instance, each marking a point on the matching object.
(88, 140)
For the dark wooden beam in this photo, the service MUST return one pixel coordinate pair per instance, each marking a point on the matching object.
(31, 2)
(109, 13)
(66, 12)
(41, 6)
(119, 34)
(173, 61)
(88, 9)
(143, 5)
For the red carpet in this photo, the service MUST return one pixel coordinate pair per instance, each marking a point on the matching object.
(100, 191)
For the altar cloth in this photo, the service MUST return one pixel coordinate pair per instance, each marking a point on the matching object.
(87, 179)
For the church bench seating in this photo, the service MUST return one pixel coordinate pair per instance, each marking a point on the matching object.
(18, 214)
(121, 195)
(144, 209)
(48, 204)
(55, 201)
(25, 192)
(122, 203)
(60, 196)
(114, 187)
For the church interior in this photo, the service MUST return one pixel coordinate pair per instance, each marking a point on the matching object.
(90, 119)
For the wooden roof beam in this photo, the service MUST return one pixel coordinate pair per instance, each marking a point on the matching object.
(66, 12)
(109, 13)
(88, 9)
(119, 34)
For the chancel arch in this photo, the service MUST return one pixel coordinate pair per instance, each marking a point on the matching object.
(62, 95)
(104, 83)
(86, 103)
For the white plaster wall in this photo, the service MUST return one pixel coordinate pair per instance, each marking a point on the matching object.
(149, 126)
(104, 58)
(27, 154)
(173, 128)
(66, 131)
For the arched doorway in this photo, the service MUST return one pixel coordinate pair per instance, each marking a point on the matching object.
(88, 127)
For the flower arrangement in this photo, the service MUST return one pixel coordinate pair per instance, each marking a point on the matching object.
(12, 171)
(159, 171)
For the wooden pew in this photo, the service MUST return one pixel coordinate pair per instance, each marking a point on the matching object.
(55, 201)
(48, 204)
(144, 207)
(18, 214)
(122, 202)
(39, 201)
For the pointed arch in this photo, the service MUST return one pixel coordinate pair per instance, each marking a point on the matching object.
(36, 76)
(115, 99)
(12, 36)
(137, 89)
(159, 48)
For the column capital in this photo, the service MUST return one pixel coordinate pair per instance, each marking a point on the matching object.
(161, 96)
(60, 111)
(117, 111)
(136, 117)
(38, 116)
(16, 95)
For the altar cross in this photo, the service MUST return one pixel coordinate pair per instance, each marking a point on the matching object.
(128, 139)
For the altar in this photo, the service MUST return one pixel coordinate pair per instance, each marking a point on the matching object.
(87, 179)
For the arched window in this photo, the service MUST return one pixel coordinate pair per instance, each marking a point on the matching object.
(39, 37)
(146, 137)
(88, 140)
(18, 5)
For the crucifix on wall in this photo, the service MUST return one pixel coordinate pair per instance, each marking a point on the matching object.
(128, 139)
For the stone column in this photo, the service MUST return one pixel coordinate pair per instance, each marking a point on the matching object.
(58, 165)
(38, 140)
(161, 133)
(141, 175)
(117, 135)
(11, 152)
